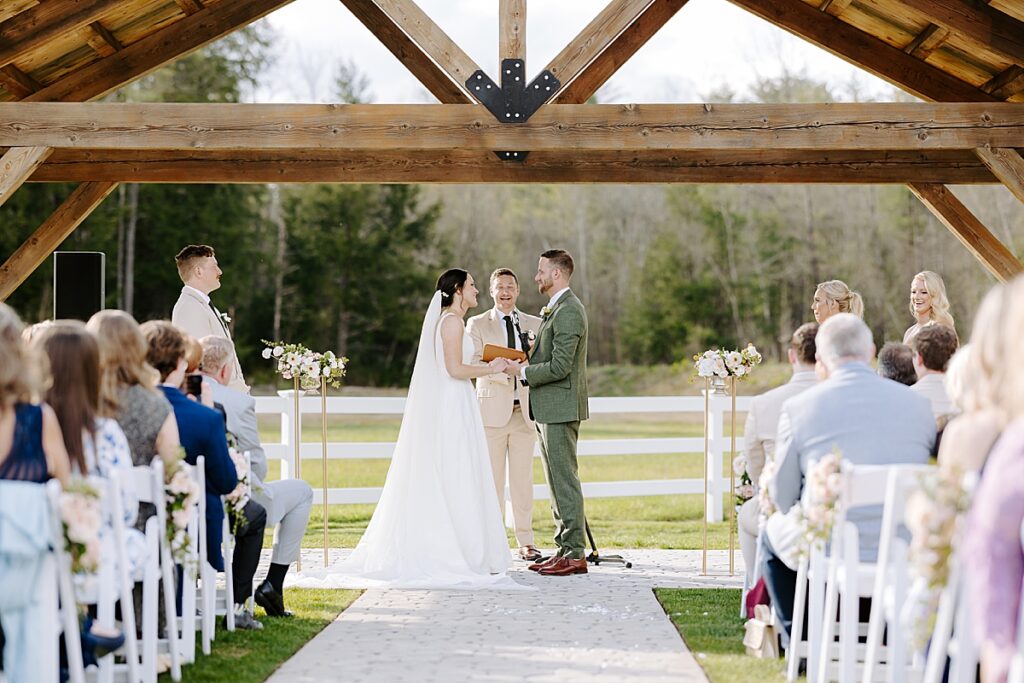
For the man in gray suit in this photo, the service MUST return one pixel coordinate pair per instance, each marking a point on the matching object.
(287, 502)
(871, 420)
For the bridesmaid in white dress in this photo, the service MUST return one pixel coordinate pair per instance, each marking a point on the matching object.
(928, 303)
(437, 524)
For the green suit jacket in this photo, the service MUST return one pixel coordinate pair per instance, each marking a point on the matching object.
(557, 373)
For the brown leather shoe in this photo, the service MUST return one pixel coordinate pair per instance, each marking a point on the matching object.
(565, 567)
(529, 553)
(537, 566)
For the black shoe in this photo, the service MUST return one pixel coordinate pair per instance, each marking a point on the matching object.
(271, 601)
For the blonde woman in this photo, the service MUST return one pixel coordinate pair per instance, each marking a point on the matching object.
(928, 303)
(128, 390)
(834, 296)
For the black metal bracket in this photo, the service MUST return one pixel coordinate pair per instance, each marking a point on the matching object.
(515, 101)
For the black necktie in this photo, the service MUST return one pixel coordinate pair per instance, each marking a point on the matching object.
(510, 332)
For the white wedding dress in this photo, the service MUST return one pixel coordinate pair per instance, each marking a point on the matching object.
(438, 523)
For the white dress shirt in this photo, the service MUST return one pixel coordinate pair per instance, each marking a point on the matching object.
(518, 342)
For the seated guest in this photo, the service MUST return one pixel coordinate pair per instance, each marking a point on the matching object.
(896, 362)
(933, 346)
(760, 429)
(992, 548)
(973, 380)
(834, 296)
(870, 420)
(201, 430)
(287, 502)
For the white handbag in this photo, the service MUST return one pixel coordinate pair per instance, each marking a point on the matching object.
(761, 639)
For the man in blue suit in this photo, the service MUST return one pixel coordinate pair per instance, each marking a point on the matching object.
(870, 420)
(202, 432)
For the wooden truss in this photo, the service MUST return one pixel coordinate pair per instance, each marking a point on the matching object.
(967, 133)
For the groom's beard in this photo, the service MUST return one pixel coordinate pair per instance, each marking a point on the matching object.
(545, 287)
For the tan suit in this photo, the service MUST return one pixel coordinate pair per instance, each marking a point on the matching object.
(198, 319)
(510, 432)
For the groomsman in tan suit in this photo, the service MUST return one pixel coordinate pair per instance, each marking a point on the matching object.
(194, 313)
(504, 404)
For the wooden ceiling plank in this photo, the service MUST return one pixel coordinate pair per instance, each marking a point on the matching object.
(37, 25)
(980, 23)
(864, 50)
(834, 126)
(1007, 165)
(136, 60)
(460, 166)
(595, 38)
(387, 30)
(102, 40)
(511, 30)
(978, 239)
(48, 236)
(18, 82)
(927, 41)
(190, 6)
(1006, 83)
(834, 7)
(618, 52)
(17, 164)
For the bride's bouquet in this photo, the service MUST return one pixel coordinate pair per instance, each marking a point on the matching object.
(721, 363)
(310, 367)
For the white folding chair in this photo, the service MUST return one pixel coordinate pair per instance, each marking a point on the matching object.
(892, 581)
(68, 608)
(810, 583)
(208, 593)
(1016, 674)
(190, 575)
(115, 585)
(149, 484)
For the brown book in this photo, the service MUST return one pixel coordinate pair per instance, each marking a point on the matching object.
(492, 351)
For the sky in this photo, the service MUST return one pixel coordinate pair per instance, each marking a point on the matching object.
(707, 44)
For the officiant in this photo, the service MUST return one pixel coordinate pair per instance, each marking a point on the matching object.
(504, 404)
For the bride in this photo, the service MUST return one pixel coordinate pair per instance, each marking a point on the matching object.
(438, 524)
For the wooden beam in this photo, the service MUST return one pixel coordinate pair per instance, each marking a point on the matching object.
(618, 52)
(462, 166)
(435, 79)
(1007, 165)
(75, 209)
(17, 165)
(190, 6)
(102, 40)
(430, 39)
(18, 82)
(141, 57)
(951, 212)
(595, 38)
(1006, 83)
(37, 25)
(927, 41)
(864, 50)
(980, 23)
(822, 127)
(834, 7)
(511, 30)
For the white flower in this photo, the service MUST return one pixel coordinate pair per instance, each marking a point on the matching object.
(180, 518)
(706, 367)
(278, 350)
(327, 371)
(266, 354)
(740, 371)
(745, 491)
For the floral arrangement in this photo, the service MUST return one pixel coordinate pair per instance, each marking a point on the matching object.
(235, 502)
(81, 518)
(934, 516)
(745, 488)
(819, 507)
(181, 492)
(764, 499)
(310, 367)
(719, 363)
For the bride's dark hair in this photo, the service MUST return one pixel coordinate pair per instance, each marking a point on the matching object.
(450, 282)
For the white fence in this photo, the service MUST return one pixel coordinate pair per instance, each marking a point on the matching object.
(284, 405)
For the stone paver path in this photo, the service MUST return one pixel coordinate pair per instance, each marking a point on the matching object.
(606, 625)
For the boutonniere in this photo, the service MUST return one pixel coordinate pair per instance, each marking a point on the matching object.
(545, 312)
(531, 336)
(225, 317)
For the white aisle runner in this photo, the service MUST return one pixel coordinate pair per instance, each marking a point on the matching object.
(606, 625)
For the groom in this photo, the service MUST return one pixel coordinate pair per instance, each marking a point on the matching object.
(556, 374)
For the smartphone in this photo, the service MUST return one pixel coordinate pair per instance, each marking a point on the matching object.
(194, 385)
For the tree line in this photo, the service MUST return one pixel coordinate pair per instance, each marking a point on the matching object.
(665, 270)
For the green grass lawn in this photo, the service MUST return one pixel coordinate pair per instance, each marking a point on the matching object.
(637, 522)
(245, 656)
(708, 620)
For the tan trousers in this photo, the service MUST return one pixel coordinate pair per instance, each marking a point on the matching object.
(512, 444)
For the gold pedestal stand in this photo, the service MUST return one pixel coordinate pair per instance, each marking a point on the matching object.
(323, 459)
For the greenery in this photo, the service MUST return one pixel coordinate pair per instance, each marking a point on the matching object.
(708, 620)
(244, 656)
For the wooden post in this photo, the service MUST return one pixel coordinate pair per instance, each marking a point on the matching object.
(511, 30)
(51, 233)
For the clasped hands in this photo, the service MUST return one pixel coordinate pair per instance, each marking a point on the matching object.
(509, 367)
